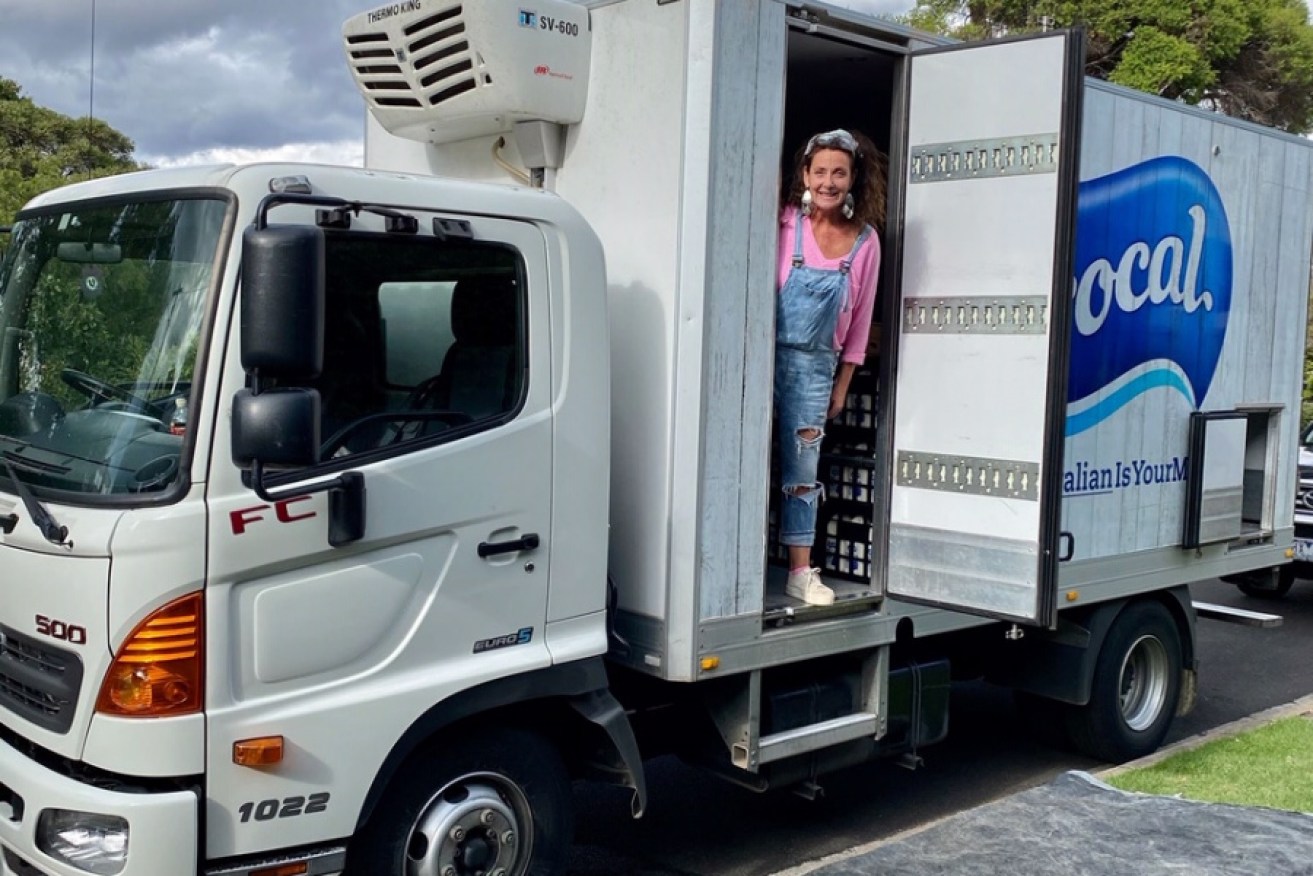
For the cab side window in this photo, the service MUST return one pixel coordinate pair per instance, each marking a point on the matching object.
(425, 341)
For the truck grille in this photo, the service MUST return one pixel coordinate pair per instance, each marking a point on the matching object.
(1304, 497)
(20, 867)
(38, 682)
(433, 53)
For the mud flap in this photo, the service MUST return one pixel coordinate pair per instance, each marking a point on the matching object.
(621, 763)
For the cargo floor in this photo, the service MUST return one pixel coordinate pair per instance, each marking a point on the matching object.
(850, 597)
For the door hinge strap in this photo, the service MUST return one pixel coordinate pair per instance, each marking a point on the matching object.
(1005, 478)
(977, 315)
(979, 159)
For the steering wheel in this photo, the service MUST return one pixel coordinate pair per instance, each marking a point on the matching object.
(154, 474)
(423, 394)
(99, 391)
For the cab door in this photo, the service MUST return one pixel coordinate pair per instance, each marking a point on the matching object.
(436, 389)
(990, 173)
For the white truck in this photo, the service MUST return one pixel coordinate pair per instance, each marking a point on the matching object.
(347, 515)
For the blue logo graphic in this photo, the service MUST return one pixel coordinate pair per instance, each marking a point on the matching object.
(528, 19)
(1153, 288)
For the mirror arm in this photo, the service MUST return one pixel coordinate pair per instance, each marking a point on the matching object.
(270, 201)
(346, 501)
(400, 222)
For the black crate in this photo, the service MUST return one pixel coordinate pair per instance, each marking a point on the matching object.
(843, 518)
(853, 431)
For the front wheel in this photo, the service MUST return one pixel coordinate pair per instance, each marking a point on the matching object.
(496, 804)
(1135, 689)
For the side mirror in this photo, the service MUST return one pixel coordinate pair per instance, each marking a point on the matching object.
(278, 427)
(283, 301)
(282, 326)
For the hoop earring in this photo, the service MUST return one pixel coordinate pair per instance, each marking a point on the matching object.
(848, 206)
(806, 202)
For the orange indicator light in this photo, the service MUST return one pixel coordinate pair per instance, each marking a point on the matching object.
(260, 751)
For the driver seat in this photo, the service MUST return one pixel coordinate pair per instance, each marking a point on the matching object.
(480, 374)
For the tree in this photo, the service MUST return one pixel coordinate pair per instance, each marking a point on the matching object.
(1251, 59)
(1306, 408)
(41, 149)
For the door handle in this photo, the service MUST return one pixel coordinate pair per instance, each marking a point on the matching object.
(526, 542)
(1069, 540)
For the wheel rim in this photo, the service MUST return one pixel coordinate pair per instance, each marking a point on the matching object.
(476, 825)
(1143, 682)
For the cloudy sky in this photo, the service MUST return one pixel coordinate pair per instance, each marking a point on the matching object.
(203, 80)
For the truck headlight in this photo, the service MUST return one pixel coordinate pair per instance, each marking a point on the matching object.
(91, 842)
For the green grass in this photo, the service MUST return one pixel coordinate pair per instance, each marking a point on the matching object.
(1269, 767)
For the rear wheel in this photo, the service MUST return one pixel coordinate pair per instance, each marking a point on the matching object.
(1267, 589)
(1135, 689)
(498, 805)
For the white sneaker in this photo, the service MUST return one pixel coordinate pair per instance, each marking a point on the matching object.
(808, 586)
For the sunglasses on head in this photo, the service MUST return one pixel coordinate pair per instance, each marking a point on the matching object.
(836, 139)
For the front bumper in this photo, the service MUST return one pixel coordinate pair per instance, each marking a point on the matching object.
(163, 826)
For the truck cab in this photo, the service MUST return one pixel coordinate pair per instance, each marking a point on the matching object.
(160, 616)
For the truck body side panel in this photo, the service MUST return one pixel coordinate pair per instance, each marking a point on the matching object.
(632, 197)
(1170, 195)
(745, 126)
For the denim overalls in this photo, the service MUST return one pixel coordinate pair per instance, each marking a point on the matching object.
(807, 314)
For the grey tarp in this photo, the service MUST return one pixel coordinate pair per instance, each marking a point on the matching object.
(1078, 826)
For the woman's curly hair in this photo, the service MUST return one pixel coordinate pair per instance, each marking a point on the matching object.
(870, 184)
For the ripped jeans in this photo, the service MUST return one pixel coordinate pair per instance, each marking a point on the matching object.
(804, 380)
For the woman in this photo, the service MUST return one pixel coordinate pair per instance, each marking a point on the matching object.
(829, 257)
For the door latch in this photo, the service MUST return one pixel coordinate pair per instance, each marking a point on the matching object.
(526, 542)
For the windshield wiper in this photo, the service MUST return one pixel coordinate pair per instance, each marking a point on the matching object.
(44, 520)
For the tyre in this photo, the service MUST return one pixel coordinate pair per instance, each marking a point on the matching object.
(1135, 689)
(1285, 580)
(496, 804)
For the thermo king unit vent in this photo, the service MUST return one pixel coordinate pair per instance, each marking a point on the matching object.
(440, 72)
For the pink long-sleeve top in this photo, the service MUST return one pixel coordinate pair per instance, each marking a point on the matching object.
(854, 327)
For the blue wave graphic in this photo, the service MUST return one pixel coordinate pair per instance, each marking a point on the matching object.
(1153, 276)
(1092, 416)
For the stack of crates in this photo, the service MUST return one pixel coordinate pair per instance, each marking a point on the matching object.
(847, 470)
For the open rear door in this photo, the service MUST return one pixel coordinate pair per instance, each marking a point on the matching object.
(980, 390)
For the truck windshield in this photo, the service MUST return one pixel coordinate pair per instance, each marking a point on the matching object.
(101, 308)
